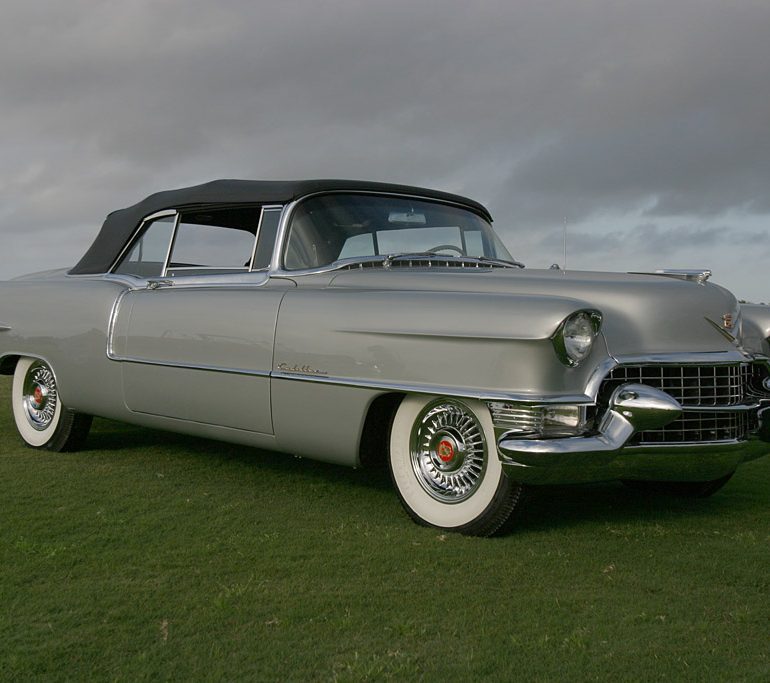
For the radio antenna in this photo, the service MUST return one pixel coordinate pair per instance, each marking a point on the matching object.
(565, 243)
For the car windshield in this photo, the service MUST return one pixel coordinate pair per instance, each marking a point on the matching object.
(336, 227)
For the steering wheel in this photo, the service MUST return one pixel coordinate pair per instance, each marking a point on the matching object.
(441, 247)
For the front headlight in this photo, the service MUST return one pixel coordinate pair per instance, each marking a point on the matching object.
(575, 337)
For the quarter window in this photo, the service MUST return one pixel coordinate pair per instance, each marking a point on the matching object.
(148, 255)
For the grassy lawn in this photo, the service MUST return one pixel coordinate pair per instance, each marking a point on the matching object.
(152, 556)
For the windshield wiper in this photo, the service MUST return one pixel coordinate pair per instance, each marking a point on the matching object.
(498, 261)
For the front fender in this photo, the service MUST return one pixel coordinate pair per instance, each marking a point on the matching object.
(756, 328)
(480, 344)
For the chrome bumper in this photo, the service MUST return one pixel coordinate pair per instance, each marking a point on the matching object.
(604, 456)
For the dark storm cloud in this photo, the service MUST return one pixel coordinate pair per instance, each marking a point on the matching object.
(544, 110)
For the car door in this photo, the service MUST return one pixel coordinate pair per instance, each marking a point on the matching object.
(196, 343)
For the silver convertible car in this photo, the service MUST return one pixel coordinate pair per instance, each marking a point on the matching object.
(349, 321)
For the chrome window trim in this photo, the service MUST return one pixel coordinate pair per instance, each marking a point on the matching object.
(171, 245)
(276, 265)
(137, 232)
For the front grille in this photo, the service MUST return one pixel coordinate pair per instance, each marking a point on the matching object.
(691, 385)
(700, 427)
(696, 386)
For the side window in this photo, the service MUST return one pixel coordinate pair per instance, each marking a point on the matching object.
(148, 255)
(214, 241)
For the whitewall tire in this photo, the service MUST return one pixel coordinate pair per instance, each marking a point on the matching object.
(444, 464)
(41, 419)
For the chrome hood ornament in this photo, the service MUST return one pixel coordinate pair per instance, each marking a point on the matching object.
(700, 276)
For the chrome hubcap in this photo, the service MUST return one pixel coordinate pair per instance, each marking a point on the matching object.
(40, 397)
(448, 451)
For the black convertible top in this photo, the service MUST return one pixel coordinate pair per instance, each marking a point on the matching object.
(120, 225)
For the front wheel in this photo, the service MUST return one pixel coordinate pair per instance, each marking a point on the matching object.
(41, 419)
(444, 464)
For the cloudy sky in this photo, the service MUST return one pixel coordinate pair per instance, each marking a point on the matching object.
(643, 126)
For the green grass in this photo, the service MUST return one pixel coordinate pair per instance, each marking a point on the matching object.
(152, 556)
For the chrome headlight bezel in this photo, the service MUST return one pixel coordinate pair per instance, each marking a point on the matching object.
(585, 322)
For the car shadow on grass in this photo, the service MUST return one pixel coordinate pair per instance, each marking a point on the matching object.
(551, 507)
(116, 437)
(544, 507)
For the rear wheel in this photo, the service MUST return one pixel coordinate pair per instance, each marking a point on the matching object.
(41, 419)
(444, 464)
(684, 489)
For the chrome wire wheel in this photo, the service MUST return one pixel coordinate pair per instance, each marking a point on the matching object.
(445, 467)
(42, 420)
(40, 397)
(448, 451)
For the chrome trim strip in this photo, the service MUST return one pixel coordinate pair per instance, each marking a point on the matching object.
(738, 408)
(111, 323)
(697, 358)
(685, 444)
(575, 399)
(4, 327)
(238, 269)
(721, 330)
(599, 374)
(130, 281)
(188, 366)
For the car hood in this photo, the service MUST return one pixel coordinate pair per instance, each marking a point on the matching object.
(643, 314)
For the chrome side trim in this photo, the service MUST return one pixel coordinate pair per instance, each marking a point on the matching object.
(4, 327)
(437, 390)
(111, 322)
(735, 408)
(188, 366)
